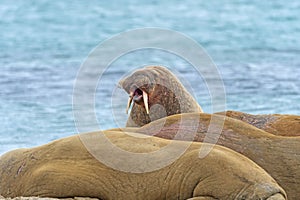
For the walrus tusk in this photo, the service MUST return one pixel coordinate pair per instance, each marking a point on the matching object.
(145, 98)
(129, 102)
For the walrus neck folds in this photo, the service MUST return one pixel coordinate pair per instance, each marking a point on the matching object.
(155, 93)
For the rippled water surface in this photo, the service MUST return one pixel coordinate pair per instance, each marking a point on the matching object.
(255, 44)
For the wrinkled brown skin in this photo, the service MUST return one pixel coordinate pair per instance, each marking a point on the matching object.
(163, 89)
(277, 124)
(64, 168)
(278, 155)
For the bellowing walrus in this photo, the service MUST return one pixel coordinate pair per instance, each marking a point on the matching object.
(156, 93)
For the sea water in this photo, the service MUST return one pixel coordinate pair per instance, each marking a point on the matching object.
(255, 45)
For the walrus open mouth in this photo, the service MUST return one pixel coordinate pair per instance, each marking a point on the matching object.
(137, 96)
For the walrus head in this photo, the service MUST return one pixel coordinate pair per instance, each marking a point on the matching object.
(155, 85)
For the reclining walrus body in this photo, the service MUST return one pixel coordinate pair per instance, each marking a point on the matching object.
(64, 168)
(278, 155)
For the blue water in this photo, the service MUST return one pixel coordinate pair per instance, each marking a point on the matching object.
(255, 44)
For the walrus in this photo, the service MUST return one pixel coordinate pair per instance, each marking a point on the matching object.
(278, 155)
(156, 92)
(65, 168)
(277, 124)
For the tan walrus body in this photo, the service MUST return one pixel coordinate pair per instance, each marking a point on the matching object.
(64, 168)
